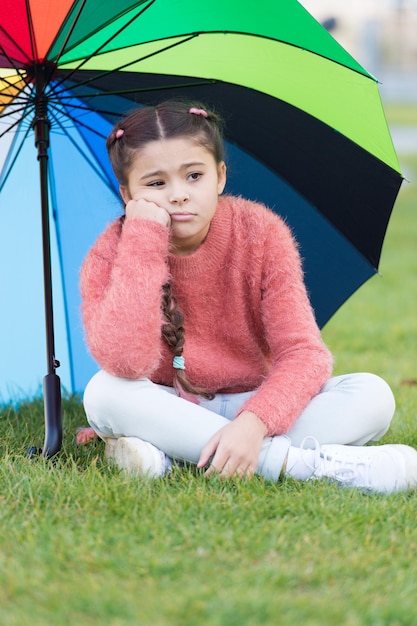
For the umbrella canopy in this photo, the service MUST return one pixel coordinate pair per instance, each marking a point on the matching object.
(305, 133)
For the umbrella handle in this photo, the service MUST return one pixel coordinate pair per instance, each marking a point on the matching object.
(53, 418)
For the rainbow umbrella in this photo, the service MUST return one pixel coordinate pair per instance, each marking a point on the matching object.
(306, 134)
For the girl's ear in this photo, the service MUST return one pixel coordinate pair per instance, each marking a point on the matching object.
(221, 177)
(124, 192)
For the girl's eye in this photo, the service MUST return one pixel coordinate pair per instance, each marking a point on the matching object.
(155, 183)
(194, 175)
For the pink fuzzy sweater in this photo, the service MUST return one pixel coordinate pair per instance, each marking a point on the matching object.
(248, 321)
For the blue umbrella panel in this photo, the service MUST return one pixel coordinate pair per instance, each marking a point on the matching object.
(83, 200)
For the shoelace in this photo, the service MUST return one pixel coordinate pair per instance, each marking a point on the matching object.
(315, 448)
(326, 465)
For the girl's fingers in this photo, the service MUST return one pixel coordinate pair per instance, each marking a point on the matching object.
(229, 470)
(146, 209)
(208, 451)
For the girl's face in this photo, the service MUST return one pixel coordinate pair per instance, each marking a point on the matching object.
(183, 178)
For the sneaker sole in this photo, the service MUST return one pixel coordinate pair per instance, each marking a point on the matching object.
(134, 456)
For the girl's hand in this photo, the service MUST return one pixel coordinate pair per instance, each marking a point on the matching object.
(147, 210)
(235, 448)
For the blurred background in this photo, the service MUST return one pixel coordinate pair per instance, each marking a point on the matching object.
(381, 35)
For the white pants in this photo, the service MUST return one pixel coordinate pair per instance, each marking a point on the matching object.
(352, 409)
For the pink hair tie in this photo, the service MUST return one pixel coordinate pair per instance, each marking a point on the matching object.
(119, 133)
(198, 112)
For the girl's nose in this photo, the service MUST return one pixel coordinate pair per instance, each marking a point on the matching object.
(178, 196)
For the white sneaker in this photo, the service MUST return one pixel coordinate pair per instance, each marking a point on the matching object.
(137, 456)
(383, 469)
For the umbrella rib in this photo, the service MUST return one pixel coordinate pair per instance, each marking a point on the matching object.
(122, 92)
(5, 176)
(70, 31)
(62, 272)
(103, 45)
(122, 67)
(10, 85)
(31, 31)
(80, 107)
(18, 99)
(10, 38)
(77, 122)
(99, 173)
(18, 70)
(16, 123)
(15, 110)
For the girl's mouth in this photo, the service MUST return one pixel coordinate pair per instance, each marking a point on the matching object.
(182, 217)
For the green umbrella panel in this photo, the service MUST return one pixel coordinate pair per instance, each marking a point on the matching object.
(276, 48)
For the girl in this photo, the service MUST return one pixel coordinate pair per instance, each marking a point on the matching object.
(194, 306)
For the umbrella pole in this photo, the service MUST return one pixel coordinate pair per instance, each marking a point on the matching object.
(51, 382)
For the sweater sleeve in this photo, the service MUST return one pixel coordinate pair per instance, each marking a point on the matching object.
(301, 363)
(121, 289)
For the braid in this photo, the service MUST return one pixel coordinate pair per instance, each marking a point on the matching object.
(174, 335)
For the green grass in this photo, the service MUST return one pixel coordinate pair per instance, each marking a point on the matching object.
(82, 544)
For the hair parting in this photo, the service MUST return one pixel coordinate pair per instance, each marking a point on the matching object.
(166, 120)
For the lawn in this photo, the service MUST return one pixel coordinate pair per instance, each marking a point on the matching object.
(84, 545)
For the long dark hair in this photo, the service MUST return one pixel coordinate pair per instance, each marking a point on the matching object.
(166, 120)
